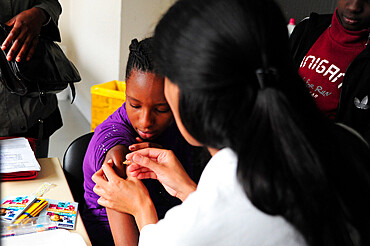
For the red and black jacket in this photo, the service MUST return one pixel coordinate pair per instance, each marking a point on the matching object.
(354, 108)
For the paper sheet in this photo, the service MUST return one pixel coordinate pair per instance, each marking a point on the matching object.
(54, 237)
(16, 155)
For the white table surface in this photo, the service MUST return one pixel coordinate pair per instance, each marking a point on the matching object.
(52, 172)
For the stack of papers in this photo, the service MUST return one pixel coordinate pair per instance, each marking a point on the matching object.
(17, 159)
(54, 237)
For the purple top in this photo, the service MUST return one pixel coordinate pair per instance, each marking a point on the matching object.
(117, 129)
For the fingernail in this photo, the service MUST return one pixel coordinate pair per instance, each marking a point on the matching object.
(137, 158)
(131, 147)
(9, 58)
(18, 59)
(3, 47)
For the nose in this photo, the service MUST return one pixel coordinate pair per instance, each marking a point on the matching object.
(146, 119)
(355, 6)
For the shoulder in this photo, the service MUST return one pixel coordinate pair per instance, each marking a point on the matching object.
(306, 33)
(222, 166)
(315, 19)
(313, 22)
(116, 129)
(119, 117)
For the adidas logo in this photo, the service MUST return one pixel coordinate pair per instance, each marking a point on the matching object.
(362, 104)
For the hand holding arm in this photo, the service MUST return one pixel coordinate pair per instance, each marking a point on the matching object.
(23, 37)
(127, 196)
(165, 167)
(118, 154)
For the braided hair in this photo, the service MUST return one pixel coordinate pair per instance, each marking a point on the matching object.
(140, 56)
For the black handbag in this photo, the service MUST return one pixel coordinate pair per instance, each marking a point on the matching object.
(49, 71)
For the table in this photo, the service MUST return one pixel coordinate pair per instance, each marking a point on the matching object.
(52, 172)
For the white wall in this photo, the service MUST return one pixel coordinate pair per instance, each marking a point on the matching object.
(97, 34)
(299, 9)
(139, 18)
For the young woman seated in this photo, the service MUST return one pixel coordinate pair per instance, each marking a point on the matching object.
(144, 120)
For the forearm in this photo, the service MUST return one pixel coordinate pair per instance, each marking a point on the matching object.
(53, 10)
(187, 189)
(52, 7)
(146, 215)
(43, 14)
(123, 228)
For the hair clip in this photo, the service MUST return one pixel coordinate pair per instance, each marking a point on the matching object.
(260, 77)
(266, 75)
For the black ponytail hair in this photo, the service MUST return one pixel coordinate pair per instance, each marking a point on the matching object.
(140, 56)
(239, 89)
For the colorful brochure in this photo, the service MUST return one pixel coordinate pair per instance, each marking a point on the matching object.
(13, 206)
(64, 213)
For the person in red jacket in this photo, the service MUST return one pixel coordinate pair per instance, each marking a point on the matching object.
(332, 55)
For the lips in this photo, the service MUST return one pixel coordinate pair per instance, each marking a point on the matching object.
(350, 20)
(145, 134)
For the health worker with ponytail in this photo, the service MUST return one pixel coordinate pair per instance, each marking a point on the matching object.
(281, 173)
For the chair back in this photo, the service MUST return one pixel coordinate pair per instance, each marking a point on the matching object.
(72, 167)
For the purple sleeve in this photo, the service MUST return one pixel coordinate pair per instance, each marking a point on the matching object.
(116, 129)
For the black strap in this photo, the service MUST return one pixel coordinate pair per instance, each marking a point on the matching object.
(73, 91)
